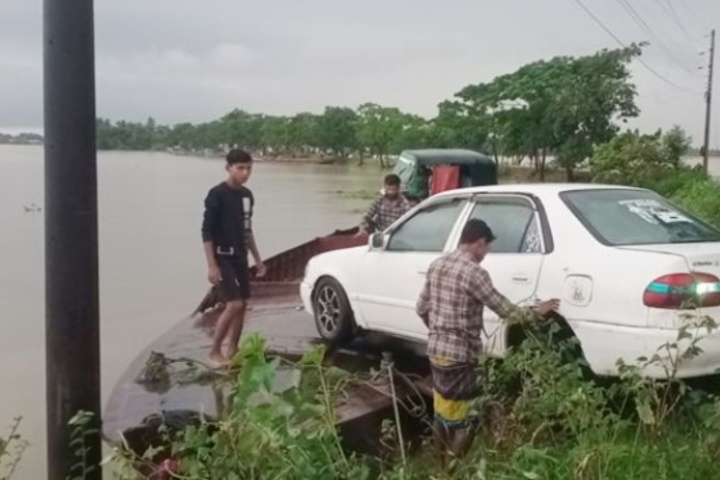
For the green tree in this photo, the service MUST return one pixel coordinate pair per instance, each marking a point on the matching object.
(640, 159)
(303, 133)
(275, 134)
(676, 143)
(594, 94)
(416, 132)
(563, 106)
(242, 129)
(337, 130)
(378, 129)
(461, 123)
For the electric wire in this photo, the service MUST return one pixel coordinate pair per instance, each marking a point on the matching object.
(622, 44)
(645, 27)
(672, 13)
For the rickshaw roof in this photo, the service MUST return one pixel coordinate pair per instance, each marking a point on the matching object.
(447, 156)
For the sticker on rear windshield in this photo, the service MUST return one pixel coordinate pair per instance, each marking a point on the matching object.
(653, 211)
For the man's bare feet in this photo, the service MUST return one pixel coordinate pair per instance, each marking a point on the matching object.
(218, 360)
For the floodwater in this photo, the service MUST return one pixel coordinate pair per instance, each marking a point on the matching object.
(152, 268)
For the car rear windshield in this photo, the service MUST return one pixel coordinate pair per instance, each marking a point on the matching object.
(636, 217)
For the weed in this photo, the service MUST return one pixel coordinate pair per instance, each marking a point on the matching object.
(12, 447)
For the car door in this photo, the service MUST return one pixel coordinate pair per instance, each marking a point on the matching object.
(391, 278)
(515, 258)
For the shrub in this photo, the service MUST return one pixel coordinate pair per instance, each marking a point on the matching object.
(702, 198)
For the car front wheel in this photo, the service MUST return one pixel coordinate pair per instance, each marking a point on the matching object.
(333, 316)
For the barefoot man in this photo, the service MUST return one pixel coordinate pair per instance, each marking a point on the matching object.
(227, 236)
(451, 304)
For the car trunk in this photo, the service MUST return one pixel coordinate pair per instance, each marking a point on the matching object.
(696, 257)
(699, 256)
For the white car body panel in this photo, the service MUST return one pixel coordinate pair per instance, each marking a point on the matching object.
(600, 287)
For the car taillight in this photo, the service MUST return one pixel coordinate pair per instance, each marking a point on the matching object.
(683, 291)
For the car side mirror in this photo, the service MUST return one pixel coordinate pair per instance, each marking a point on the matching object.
(377, 240)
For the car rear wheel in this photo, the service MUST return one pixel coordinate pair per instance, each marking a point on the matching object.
(334, 318)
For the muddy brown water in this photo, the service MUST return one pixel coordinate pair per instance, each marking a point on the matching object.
(152, 268)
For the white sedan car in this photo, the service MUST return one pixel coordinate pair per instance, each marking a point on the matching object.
(623, 261)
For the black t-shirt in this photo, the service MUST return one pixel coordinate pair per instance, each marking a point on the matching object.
(228, 219)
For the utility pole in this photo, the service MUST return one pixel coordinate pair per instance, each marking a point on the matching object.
(708, 102)
(72, 318)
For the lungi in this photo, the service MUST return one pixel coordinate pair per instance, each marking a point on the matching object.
(455, 393)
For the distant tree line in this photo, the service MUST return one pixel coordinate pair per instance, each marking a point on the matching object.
(557, 109)
(21, 139)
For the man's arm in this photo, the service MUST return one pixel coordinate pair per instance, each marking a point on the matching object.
(250, 240)
(407, 204)
(252, 246)
(423, 304)
(369, 215)
(209, 227)
(484, 291)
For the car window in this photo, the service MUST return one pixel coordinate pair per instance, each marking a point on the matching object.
(636, 217)
(428, 229)
(513, 222)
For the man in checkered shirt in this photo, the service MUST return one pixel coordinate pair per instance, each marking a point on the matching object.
(451, 304)
(386, 209)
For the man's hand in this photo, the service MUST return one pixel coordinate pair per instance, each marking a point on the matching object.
(260, 269)
(361, 233)
(548, 306)
(214, 275)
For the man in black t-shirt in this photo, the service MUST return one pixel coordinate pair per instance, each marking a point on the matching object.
(227, 236)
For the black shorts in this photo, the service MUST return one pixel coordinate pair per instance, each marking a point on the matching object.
(235, 283)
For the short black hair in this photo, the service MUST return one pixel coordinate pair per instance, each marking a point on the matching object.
(238, 155)
(392, 180)
(474, 230)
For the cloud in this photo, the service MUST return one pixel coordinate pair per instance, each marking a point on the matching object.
(185, 60)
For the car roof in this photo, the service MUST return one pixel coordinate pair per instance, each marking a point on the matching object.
(442, 156)
(538, 189)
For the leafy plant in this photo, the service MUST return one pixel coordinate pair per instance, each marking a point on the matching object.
(12, 447)
(82, 423)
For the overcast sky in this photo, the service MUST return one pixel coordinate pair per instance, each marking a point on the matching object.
(187, 60)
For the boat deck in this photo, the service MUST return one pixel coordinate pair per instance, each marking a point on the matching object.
(289, 332)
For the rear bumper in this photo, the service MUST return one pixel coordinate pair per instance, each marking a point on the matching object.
(306, 296)
(603, 345)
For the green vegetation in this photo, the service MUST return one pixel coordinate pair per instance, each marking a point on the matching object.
(21, 139)
(543, 418)
(12, 447)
